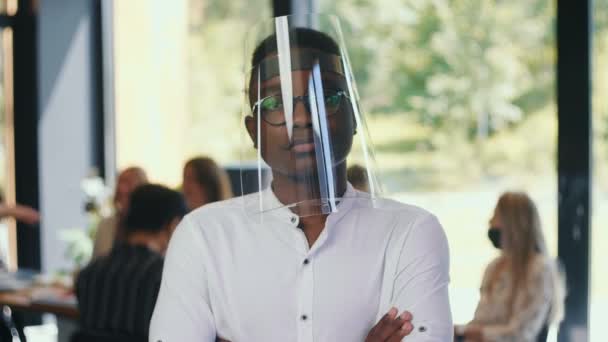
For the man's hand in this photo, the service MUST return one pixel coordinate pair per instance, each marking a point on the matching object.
(391, 328)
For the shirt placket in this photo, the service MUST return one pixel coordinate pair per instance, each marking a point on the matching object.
(305, 288)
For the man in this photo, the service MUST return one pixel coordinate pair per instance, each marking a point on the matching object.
(116, 293)
(108, 229)
(308, 258)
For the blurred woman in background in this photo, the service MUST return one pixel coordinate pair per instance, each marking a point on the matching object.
(204, 182)
(109, 229)
(522, 291)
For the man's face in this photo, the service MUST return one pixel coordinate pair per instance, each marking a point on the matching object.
(298, 156)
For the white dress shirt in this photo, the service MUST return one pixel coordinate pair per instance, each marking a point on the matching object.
(233, 277)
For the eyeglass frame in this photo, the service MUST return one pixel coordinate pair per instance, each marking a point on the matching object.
(295, 99)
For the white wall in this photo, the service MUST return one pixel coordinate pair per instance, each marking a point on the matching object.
(66, 108)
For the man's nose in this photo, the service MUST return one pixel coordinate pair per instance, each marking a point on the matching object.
(301, 113)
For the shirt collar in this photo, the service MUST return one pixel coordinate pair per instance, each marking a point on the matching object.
(270, 204)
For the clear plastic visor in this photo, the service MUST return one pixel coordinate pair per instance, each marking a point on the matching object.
(303, 119)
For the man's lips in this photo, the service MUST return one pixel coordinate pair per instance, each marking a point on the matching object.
(303, 147)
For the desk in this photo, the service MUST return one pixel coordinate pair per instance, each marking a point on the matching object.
(43, 300)
(36, 299)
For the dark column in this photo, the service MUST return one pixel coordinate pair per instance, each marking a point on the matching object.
(574, 160)
(26, 128)
(281, 7)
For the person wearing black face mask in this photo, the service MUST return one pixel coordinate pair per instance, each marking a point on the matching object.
(495, 236)
(522, 290)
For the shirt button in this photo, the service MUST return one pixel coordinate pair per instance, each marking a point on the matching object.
(306, 261)
(304, 317)
(422, 329)
(293, 219)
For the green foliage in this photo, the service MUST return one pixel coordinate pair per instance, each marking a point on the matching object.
(467, 76)
(216, 36)
(454, 91)
(460, 66)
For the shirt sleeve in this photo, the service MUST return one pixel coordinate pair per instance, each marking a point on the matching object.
(182, 311)
(484, 307)
(530, 313)
(421, 281)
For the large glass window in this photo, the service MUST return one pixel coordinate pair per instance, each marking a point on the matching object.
(8, 251)
(461, 107)
(599, 233)
(179, 80)
(8, 7)
(459, 100)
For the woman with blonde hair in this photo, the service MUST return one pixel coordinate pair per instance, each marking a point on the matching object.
(204, 181)
(522, 291)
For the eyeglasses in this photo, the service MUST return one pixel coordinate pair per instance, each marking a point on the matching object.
(272, 111)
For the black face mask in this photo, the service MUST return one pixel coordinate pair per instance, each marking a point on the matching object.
(494, 236)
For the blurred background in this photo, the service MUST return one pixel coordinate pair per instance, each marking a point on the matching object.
(461, 99)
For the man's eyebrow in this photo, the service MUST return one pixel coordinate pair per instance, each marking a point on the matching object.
(274, 84)
(333, 82)
(270, 89)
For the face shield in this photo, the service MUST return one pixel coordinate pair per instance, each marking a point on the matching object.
(303, 120)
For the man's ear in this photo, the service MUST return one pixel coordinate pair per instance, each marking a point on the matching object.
(250, 124)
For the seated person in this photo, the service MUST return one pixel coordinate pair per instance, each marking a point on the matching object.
(116, 293)
(204, 182)
(108, 229)
(521, 291)
(357, 176)
(12, 323)
(21, 213)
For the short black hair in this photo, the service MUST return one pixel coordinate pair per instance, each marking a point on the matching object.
(301, 37)
(152, 207)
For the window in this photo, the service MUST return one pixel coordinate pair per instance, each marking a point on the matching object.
(179, 80)
(460, 104)
(599, 219)
(7, 167)
(8, 7)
